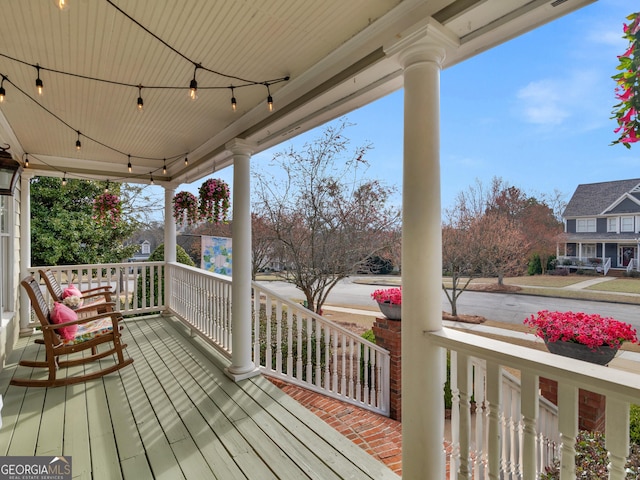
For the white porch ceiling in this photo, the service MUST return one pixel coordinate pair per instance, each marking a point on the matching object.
(332, 50)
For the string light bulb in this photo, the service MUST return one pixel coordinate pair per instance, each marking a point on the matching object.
(78, 142)
(39, 84)
(269, 98)
(193, 86)
(106, 188)
(140, 101)
(151, 178)
(186, 162)
(2, 91)
(234, 104)
(64, 179)
(62, 4)
(26, 160)
(129, 164)
(164, 167)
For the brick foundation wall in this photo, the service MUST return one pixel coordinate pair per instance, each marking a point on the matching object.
(388, 336)
(591, 406)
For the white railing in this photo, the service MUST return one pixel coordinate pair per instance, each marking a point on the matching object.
(298, 346)
(289, 341)
(499, 457)
(598, 264)
(511, 425)
(136, 285)
(607, 265)
(633, 265)
(202, 300)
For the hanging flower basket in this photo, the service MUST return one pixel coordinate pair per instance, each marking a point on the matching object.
(185, 208)
(107, 210)
(626, 113)
(214, 200)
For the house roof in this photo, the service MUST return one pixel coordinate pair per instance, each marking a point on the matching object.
(592, 199)
(337, 55)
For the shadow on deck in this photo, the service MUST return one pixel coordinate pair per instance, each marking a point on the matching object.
(173, 414)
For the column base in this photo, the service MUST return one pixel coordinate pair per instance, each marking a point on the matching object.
(237, 374)
(26, 332)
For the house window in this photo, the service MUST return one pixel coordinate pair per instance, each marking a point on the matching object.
(5, 253)
(585, 225)
(612, 224)
(626, 224)
(589, 250)
(146, 248)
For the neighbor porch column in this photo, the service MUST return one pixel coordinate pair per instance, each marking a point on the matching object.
(25, 249)
(242, 365)
(423, 364)
(169, 239)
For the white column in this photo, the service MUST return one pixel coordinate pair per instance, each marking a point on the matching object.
(169, 238)
(423, 367)
(242, 365)
(25, 249)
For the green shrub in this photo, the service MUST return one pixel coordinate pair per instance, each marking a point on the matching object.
(535, 266)
(591, 459)
(270, 338)
(158, 256)
(369, 336)
(634, 424)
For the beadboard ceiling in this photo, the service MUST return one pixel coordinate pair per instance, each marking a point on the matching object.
(335, 53)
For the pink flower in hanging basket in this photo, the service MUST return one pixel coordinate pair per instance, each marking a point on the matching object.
(214, 200)
(107, 210)
(185, 208)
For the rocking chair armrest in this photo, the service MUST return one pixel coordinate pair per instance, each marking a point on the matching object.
(94, 306)
(105, 294)
(108, 288)
(115, 318)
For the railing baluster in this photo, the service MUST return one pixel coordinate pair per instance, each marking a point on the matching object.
(617, 437)
(464, 386)
(268, 335)
(530, 409)
(279, 339)
(494, 398)
(454, 465)
(568, 423)
(299, 346)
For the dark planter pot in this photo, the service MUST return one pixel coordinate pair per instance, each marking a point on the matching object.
(391, 311)
(601, 355)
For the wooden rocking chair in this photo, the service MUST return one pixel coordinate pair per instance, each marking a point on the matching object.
(91, 295)
(92, 331)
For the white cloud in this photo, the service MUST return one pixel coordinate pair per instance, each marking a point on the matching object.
(580, 96)
(542, 103)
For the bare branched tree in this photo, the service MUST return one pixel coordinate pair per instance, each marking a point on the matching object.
(325, 217)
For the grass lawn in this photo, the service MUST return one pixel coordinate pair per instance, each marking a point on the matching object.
(621, 285)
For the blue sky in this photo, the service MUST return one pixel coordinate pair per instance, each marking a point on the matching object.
(534, 112)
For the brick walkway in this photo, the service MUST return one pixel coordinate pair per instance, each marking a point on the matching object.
(379, 436)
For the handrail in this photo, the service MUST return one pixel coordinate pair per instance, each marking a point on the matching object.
(136, 285)
(290, 342)
(294, 344)
(620, 388)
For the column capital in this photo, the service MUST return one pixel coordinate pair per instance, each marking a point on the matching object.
(25, 175)
(427, 41)
(239, 146)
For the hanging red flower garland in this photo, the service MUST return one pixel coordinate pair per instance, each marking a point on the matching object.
(214, 200)
(107, 210)
(627, 112)
(185, 208)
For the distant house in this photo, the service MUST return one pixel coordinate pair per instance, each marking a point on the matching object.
(143, 253)
(602, 227)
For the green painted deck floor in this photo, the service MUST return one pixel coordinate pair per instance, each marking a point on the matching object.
(173, 414)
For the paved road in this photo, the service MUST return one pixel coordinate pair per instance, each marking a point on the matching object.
(502, 307)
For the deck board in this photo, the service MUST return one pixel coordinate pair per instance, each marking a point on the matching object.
(174, 414)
